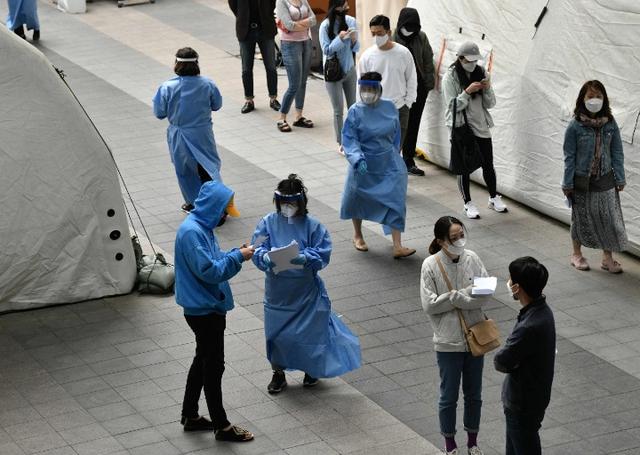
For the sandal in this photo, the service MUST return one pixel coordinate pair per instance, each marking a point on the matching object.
(303, 123)
(360, 245)
(612, 266)
(580, 263)
(283, 126)
(234, 434)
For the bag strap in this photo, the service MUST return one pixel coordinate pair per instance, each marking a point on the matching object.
(446, 279)
(453, 125)
(444, 274)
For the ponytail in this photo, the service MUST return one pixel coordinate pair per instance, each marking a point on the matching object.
(434, 247)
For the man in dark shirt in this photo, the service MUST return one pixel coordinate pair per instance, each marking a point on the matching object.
(256, 24)
(527, 358)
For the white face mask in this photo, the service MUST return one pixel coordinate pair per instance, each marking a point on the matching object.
(456, 248)
(405, 32)
(369, 97)
(469, 66)
(289, 210)
(382, 40)
(594, 105)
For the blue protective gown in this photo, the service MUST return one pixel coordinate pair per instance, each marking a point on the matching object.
(187, 101)
(23, 12)
(301, 330)
(372, 133)
(202, 269)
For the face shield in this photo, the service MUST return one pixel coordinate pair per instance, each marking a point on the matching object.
(370, 91)
(288, 205)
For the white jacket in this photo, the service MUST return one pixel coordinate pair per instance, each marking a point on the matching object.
(441, 304)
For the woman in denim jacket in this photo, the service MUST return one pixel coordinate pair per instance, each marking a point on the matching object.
(593, 177)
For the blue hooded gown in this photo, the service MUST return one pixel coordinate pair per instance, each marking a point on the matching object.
(202, 269)
(302, 332)
(187, 101)
(23, 12)
(372, 133)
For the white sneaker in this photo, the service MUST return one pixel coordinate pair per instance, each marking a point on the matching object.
(475, 450)
(471, 210)
(496, 204)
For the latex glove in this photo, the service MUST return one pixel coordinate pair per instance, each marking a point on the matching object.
(361, 167)
(300, 260)
(268, 263)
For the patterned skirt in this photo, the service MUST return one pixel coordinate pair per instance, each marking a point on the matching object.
(596, 220)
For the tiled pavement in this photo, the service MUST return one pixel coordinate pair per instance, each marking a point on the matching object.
(107, 376)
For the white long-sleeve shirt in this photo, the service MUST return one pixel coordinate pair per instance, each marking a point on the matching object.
(399, 79)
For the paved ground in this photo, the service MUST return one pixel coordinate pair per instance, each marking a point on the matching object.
(107, 376)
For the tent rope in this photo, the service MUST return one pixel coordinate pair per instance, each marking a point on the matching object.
(124, 184)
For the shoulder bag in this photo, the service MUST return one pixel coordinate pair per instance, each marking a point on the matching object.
(482, 337)
(332, 69)
(465, 151)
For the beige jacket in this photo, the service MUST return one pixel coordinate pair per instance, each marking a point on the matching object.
(441, 304)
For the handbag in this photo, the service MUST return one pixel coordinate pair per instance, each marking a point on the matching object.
(332, 69)
(465, 151)
(482, 337)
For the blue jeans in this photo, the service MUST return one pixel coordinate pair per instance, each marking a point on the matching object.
(297, 61)
(522, 433)
(455, 366)
(247, 55)
(346, 85)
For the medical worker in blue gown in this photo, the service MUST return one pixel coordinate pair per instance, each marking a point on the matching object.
(376, 185)
(187, 101)
(21, 13)
(301, 330)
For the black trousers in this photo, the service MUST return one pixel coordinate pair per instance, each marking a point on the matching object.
(413, 126)
(488, 172)
(207, 368)
(522, 433)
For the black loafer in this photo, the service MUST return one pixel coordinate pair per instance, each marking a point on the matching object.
(186, 208)
(199, 424)
(415, 170)
(248, 107)
(275, 104)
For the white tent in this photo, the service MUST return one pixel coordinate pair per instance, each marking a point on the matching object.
(536, 80)
(63, 231)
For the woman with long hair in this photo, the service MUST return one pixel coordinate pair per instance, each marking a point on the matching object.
(469, 85)
(594, 177)
(339, 40)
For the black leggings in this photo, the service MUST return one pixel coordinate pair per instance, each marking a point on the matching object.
(488, 172)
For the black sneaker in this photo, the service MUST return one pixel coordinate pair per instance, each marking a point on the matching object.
(186, 208)
(415, 170)
(36, 35)
(248, 107)
(199, 424)
(278, 382)
(308, 381)
(20, 31)
(275, 104)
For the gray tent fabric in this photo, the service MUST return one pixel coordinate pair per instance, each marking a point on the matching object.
(64, 235)
(536, 75)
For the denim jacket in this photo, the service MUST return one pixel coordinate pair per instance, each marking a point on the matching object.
(579, 148)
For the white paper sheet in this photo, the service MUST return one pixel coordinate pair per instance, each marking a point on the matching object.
(281, 257)
(484, 285)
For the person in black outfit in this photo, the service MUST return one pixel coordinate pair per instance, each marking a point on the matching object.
(255, 24)
(527, 358)
(409, 34)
